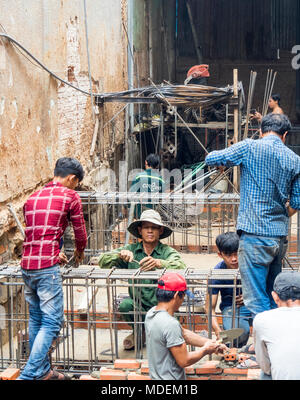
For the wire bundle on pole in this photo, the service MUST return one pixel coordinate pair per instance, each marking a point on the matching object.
(176, 95)
(271, 76)
(253, 75)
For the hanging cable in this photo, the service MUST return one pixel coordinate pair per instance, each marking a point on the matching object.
(4, 35)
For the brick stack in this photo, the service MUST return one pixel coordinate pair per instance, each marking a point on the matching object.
(138, 370)
(133, 370)
(9, 374)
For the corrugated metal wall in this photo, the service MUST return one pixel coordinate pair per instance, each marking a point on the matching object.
(238, 29)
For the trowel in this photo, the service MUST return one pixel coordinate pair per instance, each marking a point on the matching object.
(230, 334)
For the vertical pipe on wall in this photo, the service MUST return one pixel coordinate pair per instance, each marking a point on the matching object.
(88, 57)
(130, 5)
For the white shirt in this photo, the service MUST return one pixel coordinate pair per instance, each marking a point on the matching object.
(277, 342)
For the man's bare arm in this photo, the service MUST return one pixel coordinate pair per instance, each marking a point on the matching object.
(184, 358)
(196, 340)
(215, 324)
(291, 211)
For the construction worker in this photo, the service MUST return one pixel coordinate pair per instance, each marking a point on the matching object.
(149, 181)
(148, 254)
(277, 332)
(274, 105)
(166, 339)
(46, 214)
(269, 195)
(228, 244)
(197, 75)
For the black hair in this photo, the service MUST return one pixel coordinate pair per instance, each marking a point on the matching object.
(278, 123)
(153, 160)
(228, 242)
(68, 166)
(276, 97)
(165, 296)
(291, 293)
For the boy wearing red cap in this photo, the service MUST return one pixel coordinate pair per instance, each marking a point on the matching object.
(166, 339)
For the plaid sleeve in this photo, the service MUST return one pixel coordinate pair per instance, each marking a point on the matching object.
(77, 220)
(295, 194)
(229, 157)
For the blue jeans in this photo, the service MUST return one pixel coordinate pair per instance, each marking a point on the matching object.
(43, 292)
(242, 320)
(260, 261)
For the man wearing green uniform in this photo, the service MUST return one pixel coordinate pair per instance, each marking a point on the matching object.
(148, 181)
(149, 254)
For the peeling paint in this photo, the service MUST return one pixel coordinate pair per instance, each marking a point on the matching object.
(10, 79)
(2, 105)
(49, 154)
(13, 123)
(14, 103)
(2, 58)
(38, 129)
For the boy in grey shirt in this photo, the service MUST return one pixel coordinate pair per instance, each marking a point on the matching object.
(277, 332)
(166, 339)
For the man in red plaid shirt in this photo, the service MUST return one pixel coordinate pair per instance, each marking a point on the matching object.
(46, 214)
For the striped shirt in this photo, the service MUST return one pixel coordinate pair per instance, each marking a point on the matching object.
(270, 176)
(46, 215)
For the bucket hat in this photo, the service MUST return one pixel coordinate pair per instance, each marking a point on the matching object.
(149, 216)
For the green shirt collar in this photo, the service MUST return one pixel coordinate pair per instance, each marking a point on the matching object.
(158, 249)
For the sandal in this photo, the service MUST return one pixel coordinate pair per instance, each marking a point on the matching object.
(128, 342)
(245, 349)
(54, 375)
(250, 363)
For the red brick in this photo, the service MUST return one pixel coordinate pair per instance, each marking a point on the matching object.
(127, 364)
(253, 374)
(10, 374)
(223, 378)
(144, 367)
(198, 378)
(208, 367)
(133, 376)
(112, 374)
(235, 371)
(190, 370)
(87, 378)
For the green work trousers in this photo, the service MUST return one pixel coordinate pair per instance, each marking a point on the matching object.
(127, 306)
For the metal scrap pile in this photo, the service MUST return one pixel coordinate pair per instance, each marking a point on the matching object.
(176, 95)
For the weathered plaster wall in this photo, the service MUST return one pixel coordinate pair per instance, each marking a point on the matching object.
(42, 119)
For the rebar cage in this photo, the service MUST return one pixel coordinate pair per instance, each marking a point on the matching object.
(94, 328)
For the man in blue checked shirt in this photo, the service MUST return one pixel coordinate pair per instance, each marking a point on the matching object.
(269, 195)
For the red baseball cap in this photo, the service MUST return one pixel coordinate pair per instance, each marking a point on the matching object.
(198, 71)
(174, 282)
